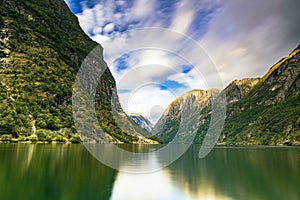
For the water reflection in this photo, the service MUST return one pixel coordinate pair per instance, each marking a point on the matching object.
(155, 185)
(227, 173)
(57, 171)
(60, 171)
(159, 185)
(138, 156)
(240, 173)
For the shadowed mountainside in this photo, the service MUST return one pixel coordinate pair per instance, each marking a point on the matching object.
(41, 49)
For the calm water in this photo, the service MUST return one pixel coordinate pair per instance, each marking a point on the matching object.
(60, 171)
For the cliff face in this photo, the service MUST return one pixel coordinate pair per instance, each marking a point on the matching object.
(167, 126)
(280, 82)
(259, 111)
(239, 88)
(41, 49)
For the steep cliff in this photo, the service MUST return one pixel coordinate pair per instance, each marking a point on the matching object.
(238, 88)
(41, 49)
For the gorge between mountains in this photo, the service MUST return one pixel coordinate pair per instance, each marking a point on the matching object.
(67, 135)
(42, 47)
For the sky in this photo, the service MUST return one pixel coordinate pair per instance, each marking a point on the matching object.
(159, 49)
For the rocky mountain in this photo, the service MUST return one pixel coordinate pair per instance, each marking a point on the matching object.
(263, 111)
(41, 49)
(238, 88)
(141, 121)
(167, 126)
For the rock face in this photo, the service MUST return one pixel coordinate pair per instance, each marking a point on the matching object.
(168, 124)
(141, 121)
(41, 49)
(259, 111)
(281, 81)
(239, 88)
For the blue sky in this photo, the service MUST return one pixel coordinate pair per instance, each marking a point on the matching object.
(126, 15)
(242, 39)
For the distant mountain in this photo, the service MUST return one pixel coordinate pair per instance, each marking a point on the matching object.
(141, 121)
(263, 111)
(41, 49)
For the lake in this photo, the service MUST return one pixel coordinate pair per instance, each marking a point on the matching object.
(68, 171)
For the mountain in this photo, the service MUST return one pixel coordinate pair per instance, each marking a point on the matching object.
(239, 88)
(41, 49)
(167, 126)
(141, 121)
(270, 113)
(263, 111)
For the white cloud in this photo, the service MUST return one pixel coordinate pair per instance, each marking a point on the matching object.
(97, 30)
(243, 39)
(147, 70)
(146, 99)
(87, 20)
(120, 3)
(109, 27)
(142, 8)
(150, 67)
(183, 17)
(247, 38)
(100, 38)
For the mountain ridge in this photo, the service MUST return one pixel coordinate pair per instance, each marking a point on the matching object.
(255, 108)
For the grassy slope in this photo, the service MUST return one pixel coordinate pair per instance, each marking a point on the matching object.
(46, 47)
(253, 120)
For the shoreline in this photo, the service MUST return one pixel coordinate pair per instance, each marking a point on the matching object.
(217, 145)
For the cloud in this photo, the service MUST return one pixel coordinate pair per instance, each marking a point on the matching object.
(247, 37)
(183, 18)
(238, 38)
(135, 101)
(142, 9)
(87, 20)
(109, 27)
(155, 70)
(100, 38)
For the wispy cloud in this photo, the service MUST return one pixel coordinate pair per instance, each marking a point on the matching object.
(247, 37)
(242, 38)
